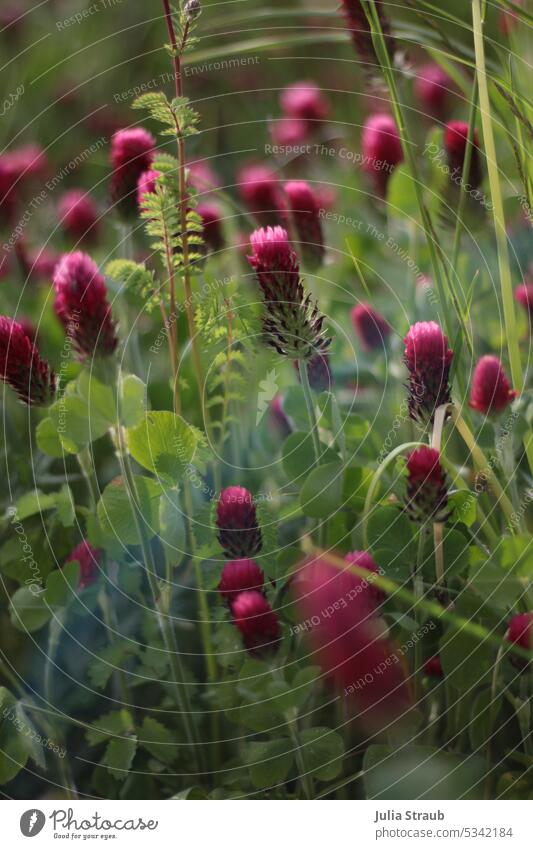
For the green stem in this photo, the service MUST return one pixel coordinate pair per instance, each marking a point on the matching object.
(418, 592)
(313, 426)
(494, 689)
(483, 464)
(305, 777)
(54, 633)
(497, 202)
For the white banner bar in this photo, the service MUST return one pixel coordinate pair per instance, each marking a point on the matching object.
(254, 825)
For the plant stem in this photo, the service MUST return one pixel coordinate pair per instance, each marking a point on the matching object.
(313, 425)
(418, 592)
(497, 202)
(482, 463)
(492, 717)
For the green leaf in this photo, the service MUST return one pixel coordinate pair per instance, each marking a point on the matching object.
(33, 503)
(118, 756)
(61, 585)
(460, 654)
(321, 493)
(28, 611)
(298, 456)
(133, 400)
(158, 740)
(164, 444)
(116, 517)
(421, 772)
(13, 752)
(269, 762)
(172, 531)
(111, 658)
(391, 529)
(109, 725)
(323, 751)
(76, 424)
(463, 504)
(66, 509)
(48, 440)
(500, 588)
(99, 397)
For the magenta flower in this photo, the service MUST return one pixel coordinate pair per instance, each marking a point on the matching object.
(520, 633)
(364, 560)
(305, 101)
(338, 615)
(89, 559)
(305, 212)
(260, 191)
(491, 391)
(428, 360)
(22, 367)
(238, 531)
(79, 215)
(524, 296)
(132, 153)
(433, 667)
(361, 34)
(81, 304)
(427, 489)
(382, 149)
(146, 185)
(370, 326)
(39, 265)
(258, 623)
(455, 141)
(238, 576)
(289, 131)
(291, 323)
(432, 89)
(211, 216)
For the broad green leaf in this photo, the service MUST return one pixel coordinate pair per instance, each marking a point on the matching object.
(13, 752)
(323, 751)
(116, 517)
(164, 444)
(269, 762)
(61, 585)
(389, 528)
(158, 740)
(321, 493)
(109, 725)
(99, 397)
(299, 456)
(28, 611)
(48, 440)
(118, 756)
(133, 400)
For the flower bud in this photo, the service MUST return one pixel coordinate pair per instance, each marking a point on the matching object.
(428, 360)
(432, 89)
(78, 215)
(370, 326)
(89, 560)
(238, 531)
(132, 153)
(22, 367)
(257, 622)
(491, 391)
(382, 149)
(304, 207)
(238, 576)
(305, 101)
(427, 490)
(520, 633)
(455, 141)
(260, 191)
(81, 305)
